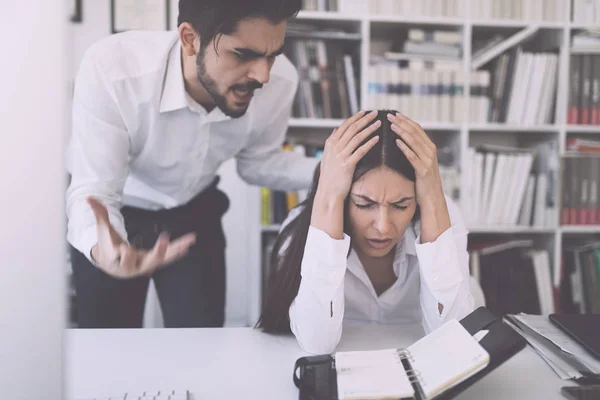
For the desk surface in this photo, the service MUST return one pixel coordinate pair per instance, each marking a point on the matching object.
(231, 363)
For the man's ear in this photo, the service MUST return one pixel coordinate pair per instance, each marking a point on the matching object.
(190, 41)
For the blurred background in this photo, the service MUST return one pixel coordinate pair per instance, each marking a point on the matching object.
(509, 90)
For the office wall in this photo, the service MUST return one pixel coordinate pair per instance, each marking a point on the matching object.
(32, 250)
(95, 25)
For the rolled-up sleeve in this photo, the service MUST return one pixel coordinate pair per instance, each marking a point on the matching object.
(444, 273)
(97, 156)
(317, 312)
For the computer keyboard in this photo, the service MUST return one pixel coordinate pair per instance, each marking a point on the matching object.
(149, 395)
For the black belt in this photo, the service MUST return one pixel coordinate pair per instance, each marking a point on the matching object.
(202, 214)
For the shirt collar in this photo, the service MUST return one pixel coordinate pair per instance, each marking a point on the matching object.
(173, 95)
(405, 246)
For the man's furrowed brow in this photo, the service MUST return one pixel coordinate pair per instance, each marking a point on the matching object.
(254, 53)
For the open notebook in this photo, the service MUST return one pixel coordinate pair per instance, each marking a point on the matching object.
(437, 362)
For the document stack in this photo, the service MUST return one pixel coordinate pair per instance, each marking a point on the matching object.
(565, 355)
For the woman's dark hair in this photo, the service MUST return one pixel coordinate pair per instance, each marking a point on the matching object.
(286, 257)
(212, 18)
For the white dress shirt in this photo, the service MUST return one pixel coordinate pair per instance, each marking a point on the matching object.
(336, 290)
(139, 139)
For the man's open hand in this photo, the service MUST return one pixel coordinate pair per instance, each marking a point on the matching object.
(114, 256)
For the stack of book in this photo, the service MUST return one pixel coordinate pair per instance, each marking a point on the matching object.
(579, 290)
(528, 10)
(514, 276)
(328, 84)
(523, 85)
(581, 182)
(320, 5)
(584, 85)
(424, 81)
(586, 12)
(511, 186)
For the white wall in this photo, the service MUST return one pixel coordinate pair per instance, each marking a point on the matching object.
(32, 244)
(95, 25)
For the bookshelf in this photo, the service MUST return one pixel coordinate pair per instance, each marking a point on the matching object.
(552, 34)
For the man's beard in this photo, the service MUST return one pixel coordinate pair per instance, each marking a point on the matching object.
(211, 87)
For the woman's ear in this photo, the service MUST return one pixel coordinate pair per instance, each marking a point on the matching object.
(190, 41)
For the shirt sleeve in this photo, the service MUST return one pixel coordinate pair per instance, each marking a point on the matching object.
(317, 312)
(444, 272)
(97, 156)
(263, 162)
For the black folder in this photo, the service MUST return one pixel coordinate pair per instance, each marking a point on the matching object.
(584, 328)
(315, 376)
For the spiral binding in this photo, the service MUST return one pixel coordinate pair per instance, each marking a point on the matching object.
(404, 354)
(414, 376)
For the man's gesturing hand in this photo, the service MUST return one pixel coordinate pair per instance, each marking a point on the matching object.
(114, 256)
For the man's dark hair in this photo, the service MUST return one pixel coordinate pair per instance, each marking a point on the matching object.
(212, 18)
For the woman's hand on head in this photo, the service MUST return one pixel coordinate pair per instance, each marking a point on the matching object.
(342, 152)
(422, 154)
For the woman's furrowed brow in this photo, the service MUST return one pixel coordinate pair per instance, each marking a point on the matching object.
(366, 198)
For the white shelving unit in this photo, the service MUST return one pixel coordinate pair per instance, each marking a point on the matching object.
(548, 237)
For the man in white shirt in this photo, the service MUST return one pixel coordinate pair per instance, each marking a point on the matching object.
(154, 116)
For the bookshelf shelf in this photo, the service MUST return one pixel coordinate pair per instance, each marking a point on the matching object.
(513, 128)
(315, 123)
(328, 16)
(500, 229)
(583, 129)
(415, 20)
(583, 26)
(511, 23)
(580, 229)
(440, 126)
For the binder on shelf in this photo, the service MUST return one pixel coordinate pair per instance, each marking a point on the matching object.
(503, 46)
(428, 369)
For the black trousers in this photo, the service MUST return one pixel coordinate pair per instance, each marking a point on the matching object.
(191, 290)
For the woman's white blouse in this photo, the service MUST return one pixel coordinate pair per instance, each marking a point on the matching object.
(335, 289)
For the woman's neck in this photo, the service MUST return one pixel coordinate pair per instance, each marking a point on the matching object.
(380, 270)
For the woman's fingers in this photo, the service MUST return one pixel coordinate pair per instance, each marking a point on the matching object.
(355, 128)
(414, 136)
(362, 150)
(360, 137)
(410, 155)
(339, 132)
(412, 140)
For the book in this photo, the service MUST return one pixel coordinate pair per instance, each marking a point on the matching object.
(433, 364)
(484, 56)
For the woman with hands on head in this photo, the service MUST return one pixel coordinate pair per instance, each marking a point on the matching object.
(376, 240)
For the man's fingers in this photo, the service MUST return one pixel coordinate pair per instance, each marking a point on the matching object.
(155, 257)
(179, 247)
(99, 210)
(128, 259)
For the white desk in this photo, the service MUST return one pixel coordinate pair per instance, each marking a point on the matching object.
(235, 363)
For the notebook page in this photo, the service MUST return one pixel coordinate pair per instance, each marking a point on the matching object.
(446, 357)
(371, 375)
